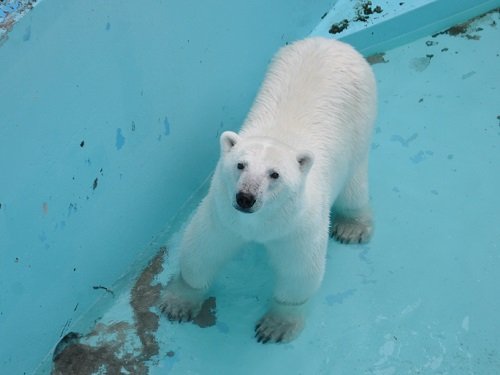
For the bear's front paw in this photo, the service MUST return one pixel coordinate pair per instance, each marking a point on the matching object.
(276, 328)
(351, 230)
(180, 302)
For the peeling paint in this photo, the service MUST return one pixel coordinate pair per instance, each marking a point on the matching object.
(166, 125)
(120, 139)
(10, 14)
(468, 29)
(120, 347)
(338, 27)
(144, 296)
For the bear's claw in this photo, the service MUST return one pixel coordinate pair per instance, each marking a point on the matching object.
(273, 328)
(177, 311)
(181, 303)
(351, 231)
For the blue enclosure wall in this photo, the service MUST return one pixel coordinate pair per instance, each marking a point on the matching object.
(109, 118)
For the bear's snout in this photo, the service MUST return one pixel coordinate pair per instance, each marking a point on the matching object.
(245, 201)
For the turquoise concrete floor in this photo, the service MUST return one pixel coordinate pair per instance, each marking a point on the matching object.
(423, 296)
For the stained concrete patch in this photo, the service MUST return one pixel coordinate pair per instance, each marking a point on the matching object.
(469, 29)
(363, 11)
(143, 297)
(120, 347)
(378, 58)
(419, 64)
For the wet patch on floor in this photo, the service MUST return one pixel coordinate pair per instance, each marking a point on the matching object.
(119, 347)
(206, 317)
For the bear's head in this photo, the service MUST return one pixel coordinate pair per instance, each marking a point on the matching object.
(260, 173)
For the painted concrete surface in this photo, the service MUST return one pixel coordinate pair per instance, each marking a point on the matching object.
(377, 26)
(101, 107)
(422, 297)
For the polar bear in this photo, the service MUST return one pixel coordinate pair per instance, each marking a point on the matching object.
(300, 159)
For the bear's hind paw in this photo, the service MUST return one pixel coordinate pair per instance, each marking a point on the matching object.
(178, 310)
(179, 302)
(273, 328)
(351, 231)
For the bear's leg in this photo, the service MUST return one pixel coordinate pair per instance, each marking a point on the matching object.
(352, 216)
(299, 265)
(203, 250)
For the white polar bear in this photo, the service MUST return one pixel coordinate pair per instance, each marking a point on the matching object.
(302, 151)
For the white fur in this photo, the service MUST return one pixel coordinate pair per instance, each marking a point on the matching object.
(311, 123)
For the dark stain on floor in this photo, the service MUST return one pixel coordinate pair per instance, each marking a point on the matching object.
(120, 347)
(143, 296)
(378, 58)
(339, 27)
(363, 10)
(468, 29)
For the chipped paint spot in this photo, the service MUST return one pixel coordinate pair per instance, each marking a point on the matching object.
(107, 290)
(468, 75)
(72, 208)
(337, 28)
(27, 34)
(42, 237)
(404, 142)
(120, 139)
(94, 184)
(339, 298)
(166, 125)
(465, 324)
(108, 26)
(419, 64)
(417, 158)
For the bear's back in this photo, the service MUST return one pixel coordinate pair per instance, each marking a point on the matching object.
(315, 89)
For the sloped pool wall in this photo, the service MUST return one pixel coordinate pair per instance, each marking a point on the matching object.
(109, 119)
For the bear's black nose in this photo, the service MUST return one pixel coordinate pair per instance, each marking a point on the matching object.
(245, 200)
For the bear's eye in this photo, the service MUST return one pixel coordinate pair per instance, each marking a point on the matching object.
(240, 166)
(274, 175)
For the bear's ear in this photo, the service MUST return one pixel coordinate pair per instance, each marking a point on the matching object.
(305, 160)
(228, 140)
